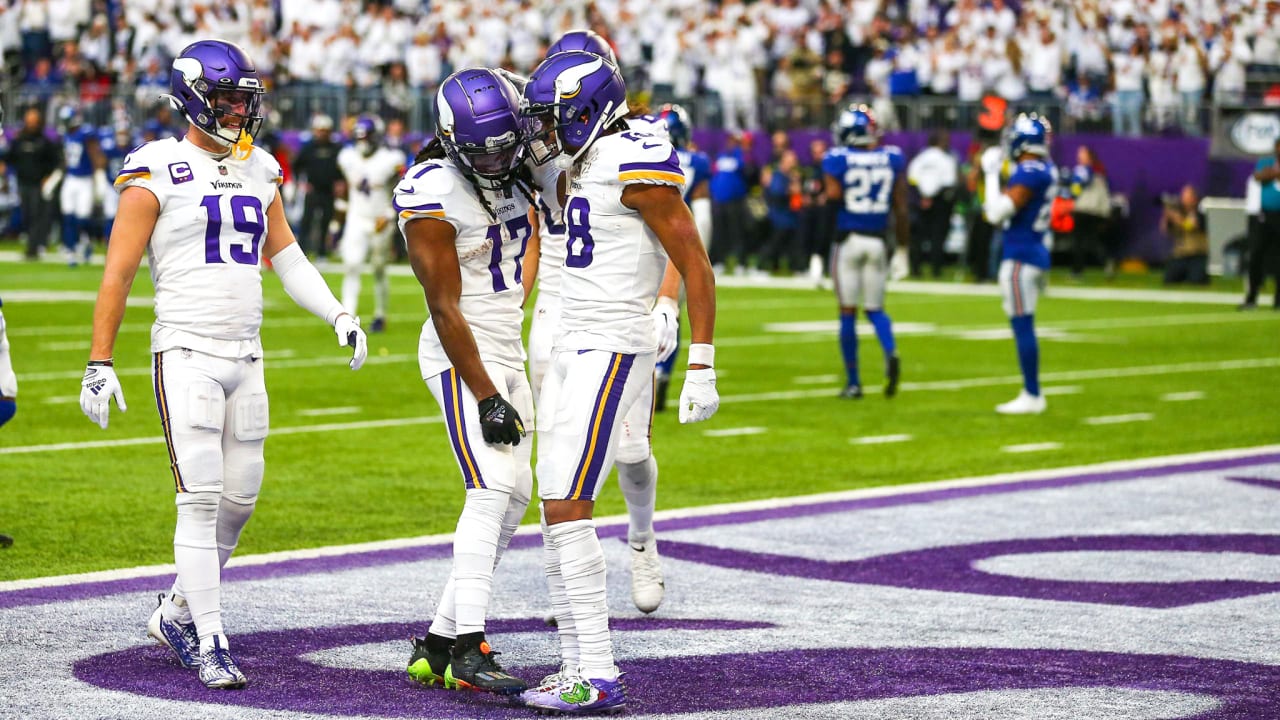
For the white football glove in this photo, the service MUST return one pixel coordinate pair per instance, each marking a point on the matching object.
(992, 159)
(698, 398)
(100, 384)
(666, 325)
(349, 333)
(899, 266)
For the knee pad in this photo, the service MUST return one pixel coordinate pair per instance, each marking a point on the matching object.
(197, 520)
(8, 408)
(633, 446)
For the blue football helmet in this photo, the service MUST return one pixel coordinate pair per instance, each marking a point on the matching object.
(678, 124)
(856, 127)
(584, 41)
(577, 95)
(1029, 134)
(478, 120)
(69, 118)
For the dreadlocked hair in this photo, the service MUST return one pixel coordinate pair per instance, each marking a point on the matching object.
(433, 150)
(639, 108)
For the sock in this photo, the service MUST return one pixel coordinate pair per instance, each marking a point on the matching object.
(639, 485)
(475, 548)
(351, 290)
(445, 622)
(439, 643)
(582, 567)
(381, 292)
(195, 551)
(217, 640)
(516, 505)
(467, 641)
(560, 608)
(233, 514)
(174, 608)
(1024, 334)
(884, 331)
(8, 408)
(70, 231)
(849, 347)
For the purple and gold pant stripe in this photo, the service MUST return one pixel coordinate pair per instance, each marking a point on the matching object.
(451, 389)
(600, 428)
(162, 404)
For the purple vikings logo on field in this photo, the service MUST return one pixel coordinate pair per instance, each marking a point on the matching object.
(1147, 592)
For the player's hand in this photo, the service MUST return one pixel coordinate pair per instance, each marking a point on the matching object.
(899, 266)
(666, 325)
(100, 185)
(992, 159)
(698, 398)
(499, 421)
(349, 334)
(100, 384)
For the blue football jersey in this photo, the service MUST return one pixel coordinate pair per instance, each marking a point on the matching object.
(696, 167)
(1024, 235)
(114, 152)
(867, 176)
(75, 148)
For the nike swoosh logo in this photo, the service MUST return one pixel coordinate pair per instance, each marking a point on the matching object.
(647, 146)
(404, 191)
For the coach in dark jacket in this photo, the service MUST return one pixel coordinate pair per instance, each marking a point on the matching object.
(317, 168)
(33, 158)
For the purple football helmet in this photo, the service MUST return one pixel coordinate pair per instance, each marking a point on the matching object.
(215, 85)
(576, 94)
(584, 41)
(478, 120)
(367, 134)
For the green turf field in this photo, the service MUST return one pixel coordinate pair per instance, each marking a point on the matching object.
(360, 456)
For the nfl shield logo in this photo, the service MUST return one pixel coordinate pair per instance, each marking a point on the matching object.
(222, 169)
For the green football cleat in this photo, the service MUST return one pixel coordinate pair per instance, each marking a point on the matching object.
(429, 667)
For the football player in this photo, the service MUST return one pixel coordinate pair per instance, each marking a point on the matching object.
(637, 468)
(624, 215)
(115, 148)
(371, 169)
(1022, 209)
(84, 180)
(466, 225)
(205, 209)
(867, 183)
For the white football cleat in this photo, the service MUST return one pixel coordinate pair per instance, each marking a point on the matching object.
(1024, 404)
(647, 587)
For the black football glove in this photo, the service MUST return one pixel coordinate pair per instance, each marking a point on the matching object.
(499, 421)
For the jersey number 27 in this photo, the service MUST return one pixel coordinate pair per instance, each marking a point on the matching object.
(867, 189)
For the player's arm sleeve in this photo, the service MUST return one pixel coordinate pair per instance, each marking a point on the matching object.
(304, 283)
(833, 165)
(654, 163)
(423, 193)
(142, 169)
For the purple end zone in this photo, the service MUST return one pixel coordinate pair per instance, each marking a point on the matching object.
(951, 568)
(373, 558)
(281, 680)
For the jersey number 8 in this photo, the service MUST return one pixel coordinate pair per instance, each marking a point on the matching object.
(579, 233)
(867, 189)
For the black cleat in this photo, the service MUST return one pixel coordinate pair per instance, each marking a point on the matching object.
(892, 370)
(379, 325)
(476, 668)
(852, 392)
(427, 666)
(1248, 305)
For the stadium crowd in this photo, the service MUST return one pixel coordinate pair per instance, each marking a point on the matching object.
(1151, 62)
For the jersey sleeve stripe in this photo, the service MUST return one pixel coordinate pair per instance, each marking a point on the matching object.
(132, 170)
(607, 402)
(408, 214)
(425, 170)
(671, 164)
(424, 206)
(671, 177)
(123, 178)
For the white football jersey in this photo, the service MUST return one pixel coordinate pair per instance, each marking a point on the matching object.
(614, 262)
(206, 250)
(490, 253)
(651, 124)
(370, 179)
(551, 242)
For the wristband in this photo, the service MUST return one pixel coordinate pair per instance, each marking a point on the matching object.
(109, 362)
(702, 354)
(669, 302)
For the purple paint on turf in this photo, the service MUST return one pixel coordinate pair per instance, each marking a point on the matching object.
(1268, 483)
(374, 558)
(951, 568)
(282, 680)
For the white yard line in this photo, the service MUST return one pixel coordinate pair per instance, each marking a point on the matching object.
(815, 379)
(1182, 396)
(61, 399)
(735, 432)
(704, 511)
(1095, 374)
(321, 412)
(1061, 390)
(1031, 447)
(880, 439)
(1118, 419)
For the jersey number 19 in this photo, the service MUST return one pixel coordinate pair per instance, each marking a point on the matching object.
(241, 243)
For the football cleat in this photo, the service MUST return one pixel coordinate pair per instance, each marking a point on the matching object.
(647, 587)
(477, 669)
(426, 666)
(1024, 404)
(179, 637)
(379, 325)
(892, 371)
(218, 670)
(852, 392)
(576, 695)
